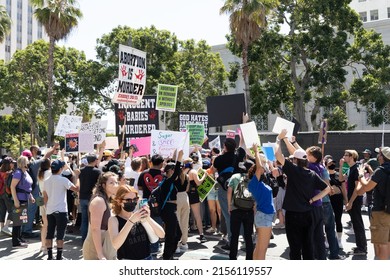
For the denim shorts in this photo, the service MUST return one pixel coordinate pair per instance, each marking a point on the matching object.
(263, 220)
(213, 194)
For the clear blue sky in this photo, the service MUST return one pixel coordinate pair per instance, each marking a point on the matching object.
(187, 19)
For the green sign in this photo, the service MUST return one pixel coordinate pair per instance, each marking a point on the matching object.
(206, 186)
(166, 98)
(196, 132)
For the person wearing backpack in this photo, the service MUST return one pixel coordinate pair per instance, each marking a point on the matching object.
(240, 214)
(5, 200)
(21, 187)
(380, 219)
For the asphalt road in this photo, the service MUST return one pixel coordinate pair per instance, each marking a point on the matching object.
(278, 248)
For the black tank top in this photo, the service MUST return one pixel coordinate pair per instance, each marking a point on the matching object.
(179, 186)
(136, 245)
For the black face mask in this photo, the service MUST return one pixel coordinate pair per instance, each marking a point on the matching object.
(129, 206)
(332, 167)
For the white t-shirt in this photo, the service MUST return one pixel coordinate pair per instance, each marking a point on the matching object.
(132, 174)
(56, 187)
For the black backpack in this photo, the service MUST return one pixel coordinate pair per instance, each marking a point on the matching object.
(242, 197)
(157, 201)
(385, 191)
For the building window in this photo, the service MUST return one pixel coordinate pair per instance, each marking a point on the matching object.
(388, 12)
(374, 15)
(363, 16)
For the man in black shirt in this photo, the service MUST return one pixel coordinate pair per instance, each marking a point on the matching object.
(87, 178)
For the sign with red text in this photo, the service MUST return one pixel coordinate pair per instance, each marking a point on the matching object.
(131, 76)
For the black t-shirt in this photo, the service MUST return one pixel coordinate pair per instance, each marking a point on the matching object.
(229, 159)
(379, 176)
(148, 180)
(136, 245)
(301, 184)
(88, 177)
(353, 176)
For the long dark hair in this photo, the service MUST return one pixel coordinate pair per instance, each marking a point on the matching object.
(100, 187)
(45, 165)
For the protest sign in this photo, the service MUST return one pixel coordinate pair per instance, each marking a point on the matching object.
(98, 128)
(79, 142)
(280, 124)
(215, 143)
(230, 134)
(136, 121)
(269, 151)
(250, 135)
(112, 143)
(68, 124)
(206, 186)
(323, 135)
(131, 76)
(142, 146)
(196, 134)
(164, 143)
(191, 118)
(225, 109)
(166, 97)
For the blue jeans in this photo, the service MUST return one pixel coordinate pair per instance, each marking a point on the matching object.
(31, 210)
(329, 222)
(84, 218)
(222, 197)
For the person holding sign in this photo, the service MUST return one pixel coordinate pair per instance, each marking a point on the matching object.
(194, 196)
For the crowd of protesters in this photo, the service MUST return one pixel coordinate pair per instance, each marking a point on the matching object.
(107, 193)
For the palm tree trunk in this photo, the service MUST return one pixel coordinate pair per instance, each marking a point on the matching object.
(245, 75)
(50, 71)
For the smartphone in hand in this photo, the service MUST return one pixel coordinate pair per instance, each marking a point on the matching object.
(143, 202)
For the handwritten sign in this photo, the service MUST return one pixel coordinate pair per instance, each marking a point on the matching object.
(166, 97)
(164, 143)
(196, 132)
(68, 124)
(97, 128)
(206, 186)
(131, 76)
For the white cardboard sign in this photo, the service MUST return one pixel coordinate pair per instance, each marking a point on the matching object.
(250, 135)
(281, 123)
(165, 142)
(68, 124)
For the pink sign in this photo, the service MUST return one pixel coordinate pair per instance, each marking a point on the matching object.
(230, 134)
(142, 146)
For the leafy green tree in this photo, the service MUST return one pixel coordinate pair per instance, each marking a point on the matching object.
(306, 63)
(247, 22)
(192, 66)
(5, 23)
(24, 85)
(58, 17)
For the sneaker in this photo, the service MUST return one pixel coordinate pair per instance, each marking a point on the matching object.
(183, 247)
(202, 239)
(211, 230)
(6, 231)
(358, 252)
(20, 245)
(338, 257)
(279, 226)
(178, 250)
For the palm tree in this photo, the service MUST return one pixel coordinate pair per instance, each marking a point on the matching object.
(247, 21)
(5, 23)
(58, 17)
